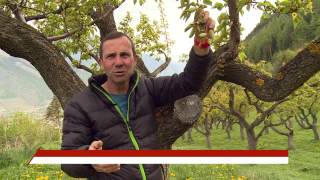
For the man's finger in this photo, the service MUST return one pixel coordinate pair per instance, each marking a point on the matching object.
(96, 145)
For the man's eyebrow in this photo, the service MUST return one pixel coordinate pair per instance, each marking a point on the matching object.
(124, 53)
(110, 54)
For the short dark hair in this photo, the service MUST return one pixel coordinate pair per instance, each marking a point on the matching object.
(115, 35)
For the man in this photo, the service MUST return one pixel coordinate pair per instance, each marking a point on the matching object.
(117, 110)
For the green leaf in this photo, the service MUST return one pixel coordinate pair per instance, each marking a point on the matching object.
(218, 6)
(207, 2)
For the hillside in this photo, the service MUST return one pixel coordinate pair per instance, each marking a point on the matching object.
(278, 33)
(22, 87)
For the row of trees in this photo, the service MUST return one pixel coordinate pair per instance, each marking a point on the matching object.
(228, 105)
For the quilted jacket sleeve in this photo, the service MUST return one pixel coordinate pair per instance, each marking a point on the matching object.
(76, 135)
(167, 89)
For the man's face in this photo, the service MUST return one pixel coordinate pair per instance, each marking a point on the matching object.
(118, 60)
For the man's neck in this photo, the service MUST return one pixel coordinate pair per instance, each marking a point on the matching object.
(116, 88)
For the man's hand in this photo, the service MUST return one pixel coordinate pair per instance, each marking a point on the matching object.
(203, 32)
(105, 168)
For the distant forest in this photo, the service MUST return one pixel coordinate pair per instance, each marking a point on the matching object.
(276, 39)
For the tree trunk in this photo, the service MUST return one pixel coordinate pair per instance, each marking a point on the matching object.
(290, 142)
(251, 139)
(208, 140)
(315, 132)
(241, 132)
(208, 133)
(266, 130)
(228, 129)
(228, 134)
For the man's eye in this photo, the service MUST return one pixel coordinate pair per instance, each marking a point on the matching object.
(110, 57)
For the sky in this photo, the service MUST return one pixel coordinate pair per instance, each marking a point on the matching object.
(182, 41)
(176, 26)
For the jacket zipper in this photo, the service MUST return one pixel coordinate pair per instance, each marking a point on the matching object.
(126, 121)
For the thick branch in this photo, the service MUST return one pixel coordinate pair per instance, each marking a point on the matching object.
(234, 28)
(103, 18)
(289, 78)
(21, 40)
(16, 11)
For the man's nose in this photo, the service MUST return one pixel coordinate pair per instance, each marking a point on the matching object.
(118, 61)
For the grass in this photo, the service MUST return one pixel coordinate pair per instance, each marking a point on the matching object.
(303, 161)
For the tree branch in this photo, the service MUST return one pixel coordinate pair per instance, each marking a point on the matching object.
(68, 34)
(260, 133)
(141, 67)
(290, 77)
(278, 131)
(255, 104)
(16, 11)
(77, 65)
(199, 130)
(45, 15)
(301, 124)
(162, 66)
(21, 40)
(305, 116)
(234, 28)
(234, 112)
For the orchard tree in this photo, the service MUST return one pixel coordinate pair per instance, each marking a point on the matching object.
(48, 33)
(286, 121)
(307, 106)
(260, 118)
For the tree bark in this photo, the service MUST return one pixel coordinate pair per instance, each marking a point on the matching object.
(251, 138)
(266, 131)
(241, 131)
(315, 132)
(208, 133)
(21, 40)
(291, 145)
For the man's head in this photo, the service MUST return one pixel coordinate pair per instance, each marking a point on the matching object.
(117, 58)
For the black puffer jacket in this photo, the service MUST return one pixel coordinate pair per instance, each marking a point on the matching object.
(91, 115)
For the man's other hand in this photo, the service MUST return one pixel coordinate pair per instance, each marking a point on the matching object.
(105, 168)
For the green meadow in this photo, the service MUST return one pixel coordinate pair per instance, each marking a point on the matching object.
(21, 135)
